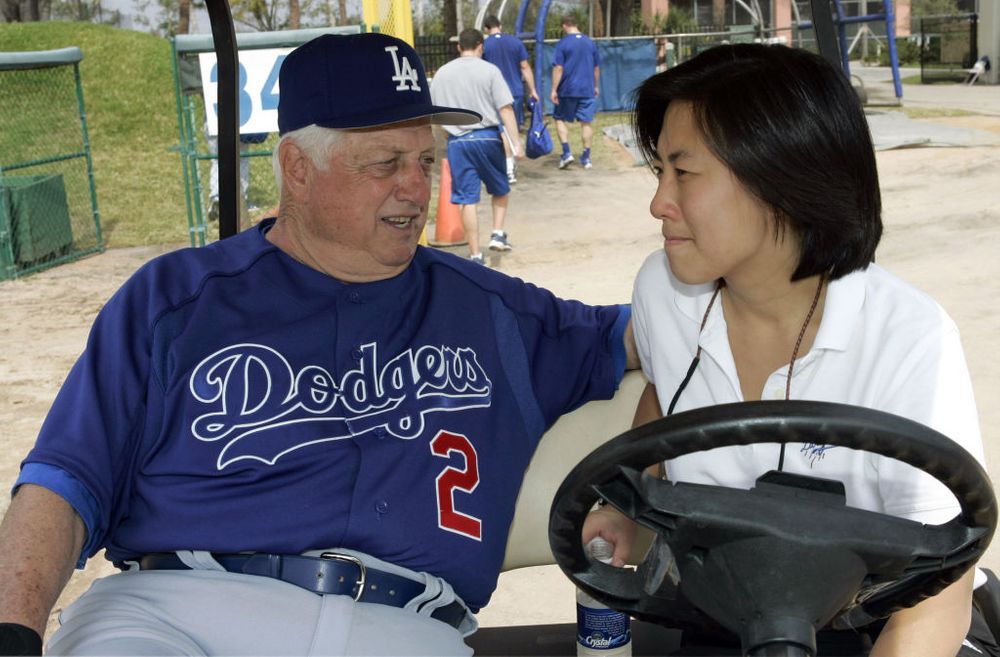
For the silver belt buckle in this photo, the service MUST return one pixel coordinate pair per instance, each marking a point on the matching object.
(362, 572)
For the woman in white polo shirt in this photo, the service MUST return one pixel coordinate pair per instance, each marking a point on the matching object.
(765, 288)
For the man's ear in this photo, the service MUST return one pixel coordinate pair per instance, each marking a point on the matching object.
(296, 168)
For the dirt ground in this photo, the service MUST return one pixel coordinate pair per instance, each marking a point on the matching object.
(582, 234)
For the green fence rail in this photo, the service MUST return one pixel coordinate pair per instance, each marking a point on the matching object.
(48, 203)
(197, 149)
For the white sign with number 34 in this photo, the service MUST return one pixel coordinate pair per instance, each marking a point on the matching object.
(258, 89)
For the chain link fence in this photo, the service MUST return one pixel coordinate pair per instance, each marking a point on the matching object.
(435, 51)
(48, 204)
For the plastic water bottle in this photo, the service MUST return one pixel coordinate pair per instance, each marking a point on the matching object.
(600, 630)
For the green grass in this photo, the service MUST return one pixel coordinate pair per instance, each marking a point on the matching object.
(603, 152)
(131, 118)
(933, 112)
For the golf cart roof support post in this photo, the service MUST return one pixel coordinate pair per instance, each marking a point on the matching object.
(224, 36)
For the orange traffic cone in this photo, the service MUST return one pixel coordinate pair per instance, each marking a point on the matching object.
(448, 229)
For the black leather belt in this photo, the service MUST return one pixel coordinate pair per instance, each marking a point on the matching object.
(331, 573)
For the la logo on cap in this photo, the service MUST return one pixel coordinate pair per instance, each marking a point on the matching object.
(404, 72)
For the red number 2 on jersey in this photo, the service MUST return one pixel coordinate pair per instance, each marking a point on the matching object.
(451, 478)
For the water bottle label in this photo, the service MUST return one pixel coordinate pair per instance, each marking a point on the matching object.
(602, 629)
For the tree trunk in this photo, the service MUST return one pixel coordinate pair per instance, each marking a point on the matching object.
(11, 10)
(619, 18)
(294, 15)
(598, 19)
(449, 13)
(719, 14)
(34, 11)
(184, 17)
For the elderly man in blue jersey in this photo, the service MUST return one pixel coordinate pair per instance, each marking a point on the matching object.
(306, 439)
(576, 78)
(507, 53)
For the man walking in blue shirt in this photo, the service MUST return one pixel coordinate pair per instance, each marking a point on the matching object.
(508, 53)
(576, 76)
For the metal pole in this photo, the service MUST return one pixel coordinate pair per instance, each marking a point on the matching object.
(826, 36)
(224, 37)
(86, 150)
(863, 11)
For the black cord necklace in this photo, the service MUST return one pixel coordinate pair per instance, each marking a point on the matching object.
(791, 363)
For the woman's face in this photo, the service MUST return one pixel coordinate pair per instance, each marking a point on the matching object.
(712, 226)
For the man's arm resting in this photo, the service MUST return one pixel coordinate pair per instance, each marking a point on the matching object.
(40, 541)
(934, 628)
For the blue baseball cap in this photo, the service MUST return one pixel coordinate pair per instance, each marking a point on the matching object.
(357, 81)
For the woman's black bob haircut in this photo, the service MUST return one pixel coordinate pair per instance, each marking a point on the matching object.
(793, 132)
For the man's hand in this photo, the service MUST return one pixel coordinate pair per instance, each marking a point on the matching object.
(554, 98)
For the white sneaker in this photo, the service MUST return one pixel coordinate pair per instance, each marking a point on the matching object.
(565, 160)
(498, 241)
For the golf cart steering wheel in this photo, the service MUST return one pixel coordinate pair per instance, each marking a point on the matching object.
(780, 561)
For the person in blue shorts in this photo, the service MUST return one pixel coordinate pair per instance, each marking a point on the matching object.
(576, 78)
(507, 53)
(475, 151)
(308, 438)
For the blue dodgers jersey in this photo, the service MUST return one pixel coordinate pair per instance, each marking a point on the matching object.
(233, 399)
(578, 56)
(506, 52)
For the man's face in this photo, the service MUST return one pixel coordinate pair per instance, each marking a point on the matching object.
(369, 206)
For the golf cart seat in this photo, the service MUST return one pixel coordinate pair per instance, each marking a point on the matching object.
(571, 438)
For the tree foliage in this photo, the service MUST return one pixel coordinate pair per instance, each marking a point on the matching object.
(274, 15)
(920, 8)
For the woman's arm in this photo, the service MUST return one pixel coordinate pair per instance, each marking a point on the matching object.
(934, 628)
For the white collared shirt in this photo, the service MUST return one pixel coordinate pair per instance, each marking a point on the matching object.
(881, 344)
